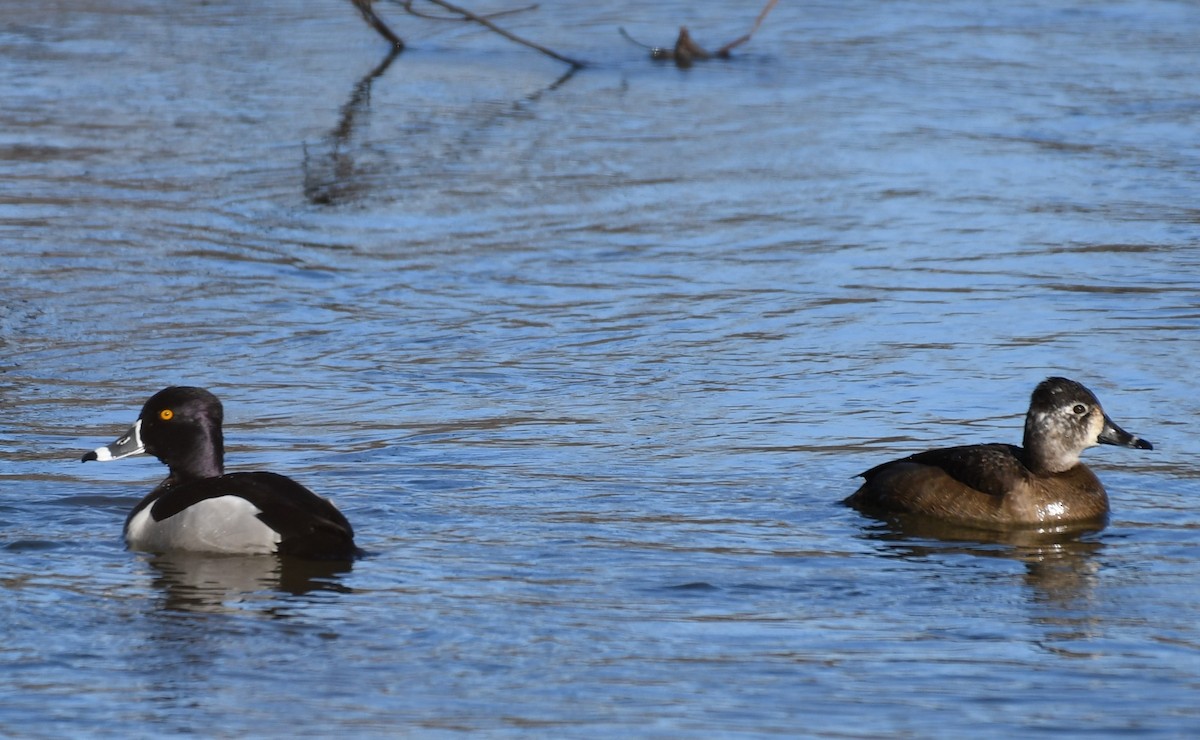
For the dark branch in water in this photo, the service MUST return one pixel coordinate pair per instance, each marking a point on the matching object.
(408, 6)
(486, 23)
(656, 52)
(333, 175)
(724, 50)
(346, 166)
(686, 51)
(374, 21)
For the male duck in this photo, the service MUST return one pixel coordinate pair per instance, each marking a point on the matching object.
(201, 508)
(999, 486)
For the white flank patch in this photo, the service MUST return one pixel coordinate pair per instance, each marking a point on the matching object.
(1053, 511)
(223, 524)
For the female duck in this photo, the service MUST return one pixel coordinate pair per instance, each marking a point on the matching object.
(999, 486)
(201, 508)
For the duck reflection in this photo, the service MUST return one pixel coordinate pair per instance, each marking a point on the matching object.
(203, 582)
(1060, 562)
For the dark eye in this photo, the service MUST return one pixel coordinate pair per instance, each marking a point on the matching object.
(1080, 409)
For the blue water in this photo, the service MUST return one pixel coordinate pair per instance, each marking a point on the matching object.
(589, 362)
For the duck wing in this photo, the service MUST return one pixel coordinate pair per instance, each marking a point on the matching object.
(993, 469)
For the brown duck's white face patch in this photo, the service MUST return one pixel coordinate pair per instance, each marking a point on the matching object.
(1095, 425)
(1063, 432)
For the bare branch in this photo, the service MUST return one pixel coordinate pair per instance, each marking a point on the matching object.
(368, 14)
(483, 21)
(408, 7)
(656, 52)
(724, 50)
(686, 51)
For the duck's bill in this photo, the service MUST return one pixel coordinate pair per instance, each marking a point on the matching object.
(1112, 434)
(129, 444)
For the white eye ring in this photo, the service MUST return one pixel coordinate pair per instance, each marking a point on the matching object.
(1080, 409)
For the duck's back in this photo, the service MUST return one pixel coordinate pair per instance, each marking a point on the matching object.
(240, 513)
(993, 469)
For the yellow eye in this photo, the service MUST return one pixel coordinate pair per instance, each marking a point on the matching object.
(166, 414)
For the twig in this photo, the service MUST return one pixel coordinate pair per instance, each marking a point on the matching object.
(686, 51)
(656, 52)
(368, 14)
(483, 21)
(724, 50)
(408, 7)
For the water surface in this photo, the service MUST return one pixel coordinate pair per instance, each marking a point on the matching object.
(590, 361)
